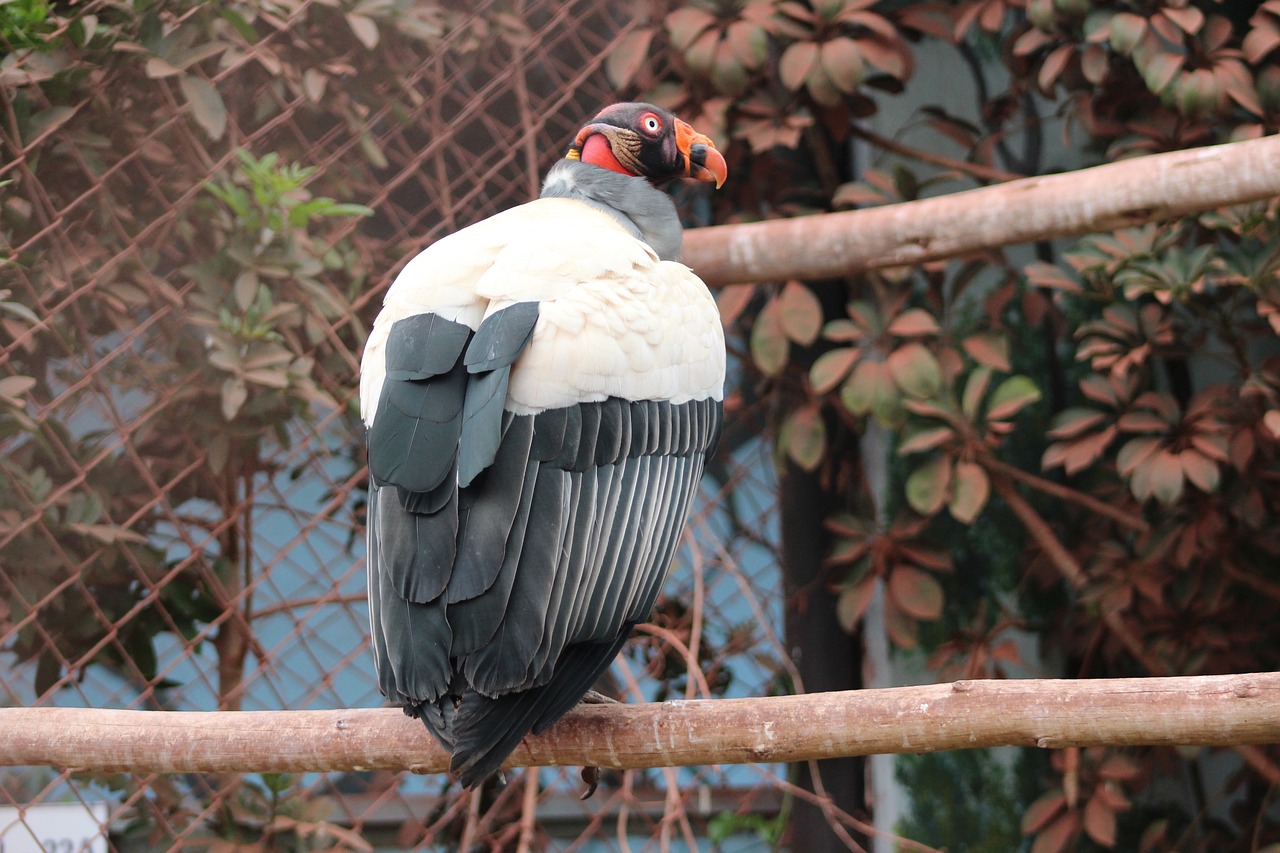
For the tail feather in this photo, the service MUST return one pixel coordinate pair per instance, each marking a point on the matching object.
(437, 717)
(487, 730)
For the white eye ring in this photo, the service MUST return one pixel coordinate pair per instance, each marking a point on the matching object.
(652, 123)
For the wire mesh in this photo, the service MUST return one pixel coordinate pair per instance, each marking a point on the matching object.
(151, 555)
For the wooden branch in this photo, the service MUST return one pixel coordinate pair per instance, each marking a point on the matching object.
(1103, 198)
(1204, 710)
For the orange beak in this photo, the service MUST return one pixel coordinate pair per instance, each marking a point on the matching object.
(702, 161)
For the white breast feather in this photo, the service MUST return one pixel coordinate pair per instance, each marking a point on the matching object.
(614, 320)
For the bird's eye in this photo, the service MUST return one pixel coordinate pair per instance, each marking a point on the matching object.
(651, 123)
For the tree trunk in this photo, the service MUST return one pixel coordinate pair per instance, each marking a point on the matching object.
(826, 657)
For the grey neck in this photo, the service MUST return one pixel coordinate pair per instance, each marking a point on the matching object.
(642, 209)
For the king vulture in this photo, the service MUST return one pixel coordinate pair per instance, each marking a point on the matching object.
(541, 391)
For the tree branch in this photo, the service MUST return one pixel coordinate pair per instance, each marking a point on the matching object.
(1218, 710)
(1103, 198)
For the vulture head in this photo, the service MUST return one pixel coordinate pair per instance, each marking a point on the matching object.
(643, 140)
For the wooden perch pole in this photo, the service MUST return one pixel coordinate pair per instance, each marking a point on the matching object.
(1225, 710)
(1103, 198)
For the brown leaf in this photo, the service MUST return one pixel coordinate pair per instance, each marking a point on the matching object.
(748, 42)
(1047, 275)
(1075, 456)
(1160, 477)
(914, 322)
(1259, 42)
(1052, 67)
(1201, 471)
(1120, 768)
(796, 63)
(1057, 836)
(900, 627)
(1075, 421)
(852, 604)
(1042, 811)
(1134, 453)
(627, 57)
(732, 300)
(928, 439)
(1271, 420)
(1189, 18)
(1158, 69)
(916, 592)
(1094, 64)
(1100, 821)
(842, 61)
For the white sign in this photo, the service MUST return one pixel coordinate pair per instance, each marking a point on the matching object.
(54, 828)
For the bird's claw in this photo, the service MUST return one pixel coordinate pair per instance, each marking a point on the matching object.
(590, 777)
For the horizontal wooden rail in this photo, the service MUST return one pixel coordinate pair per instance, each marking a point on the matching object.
(1102, 198)
(1228, 710)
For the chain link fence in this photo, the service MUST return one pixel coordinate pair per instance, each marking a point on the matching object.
(200, 208)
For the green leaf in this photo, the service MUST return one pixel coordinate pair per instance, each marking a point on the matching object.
(869, 388)
(1127, 29)
(364, 29)
(1012, 396)
(157, 68)
(990, 349)
(234, 394)
(916, 592)
(830, 368)
(969, 492)
(206, 105)
(769, 345)
(47, 121)
(974, 390)
(853, 602)
(12, 388)
(915, 369)
(804, 437)
(928, 485)
(800, 313)
(686, 25)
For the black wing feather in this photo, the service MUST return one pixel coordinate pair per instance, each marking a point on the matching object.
(511, 555)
